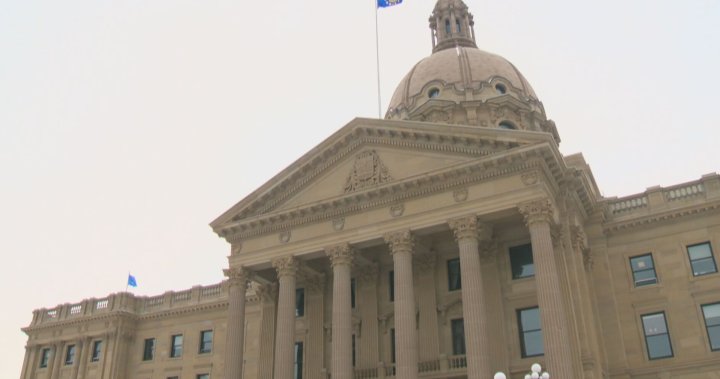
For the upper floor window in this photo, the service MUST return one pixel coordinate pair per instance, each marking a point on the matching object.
(206, 341)
(96, 350)
(457, 26)
(176, 346)
(702, 259)
(299, 302)
(711, 313)
(353, 286)
(448, 30)
(44, 357)
(392, 345)
(507, 125)
(531, 337)
(391, 285)
(298, 369)
(458, 336)
(521, 261)
(353, 350)
(643, 270)
(149, 349)
(202, 376)
(70, 355)
(657, 337)
(453, 273)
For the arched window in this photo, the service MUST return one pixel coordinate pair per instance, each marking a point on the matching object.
(448, 31)
(457, 25)
(507, 125)
(500, 88)
(433, 93)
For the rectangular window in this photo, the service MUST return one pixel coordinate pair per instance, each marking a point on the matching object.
(176, 346)
(299, 302)
(44, 357)
(353, 349)
(453, 274)
(711, 312)
(531, 337)
(657, 337)
(206, 341)
(149, 349)
(202, 376)
(298, 369)
(96, 349)
(701, 259)
(70, 355)
(392, 345)
(352, 292)
(521, 261)
(643, 270)
(458, 336)
(391, 285)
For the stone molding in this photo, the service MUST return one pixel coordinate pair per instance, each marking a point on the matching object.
(265, 292)
(342, 254)
(537, 211)
(400, 241)
(460, 195)
(286, 266)
(650, 220)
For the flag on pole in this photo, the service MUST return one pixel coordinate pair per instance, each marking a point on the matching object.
(131, 281)
(388, 3)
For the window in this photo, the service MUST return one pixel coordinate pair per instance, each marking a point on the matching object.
(433, 93)
(298, 369)
(643, 270)
(96, 349)
(149, 349)
(352, 292)
(701, 259)
(392, 345)
(448, 31)
(457, 25)
(711, 312)
(531, 337)
(453, 274)
(521, 261)
(458, 336)
(391, 285)
(173, 377)
(353, 350)
(500, 88)
(299, 302)
(202, 376)
(657, 338)
(176, 346)
(44, 357)
(507, 125)
(206, 341)
(70, 355)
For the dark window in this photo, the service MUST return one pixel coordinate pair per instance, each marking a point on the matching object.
(458, 336)
(701, 259)
(96, 349)
(521, 261)
(70, 355)
(643, 269)
(531, 337)
(500, 88)
(391, 285)
(453, 273)
(149, 349)
(353, 349)
(353, 289)
(711, 312)
(173, 377)
(507, 125)
(657, 337)
(433, 93)
(392, 345)
(298, 360)
(44, 357)
(457, 25)
(202, 376)
(176, 346)
(299, 302)
(206, 341)
(448, 31)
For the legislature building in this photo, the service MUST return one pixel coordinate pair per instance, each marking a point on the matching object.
(451, 239)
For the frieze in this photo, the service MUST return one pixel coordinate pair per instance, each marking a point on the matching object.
(284, 236)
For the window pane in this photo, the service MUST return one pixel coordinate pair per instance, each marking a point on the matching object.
(353, 289)
(644, 277)
(391, 285)
(642, 263)
(521, 261)
(533, 343)
(712, 314)
(654, 324)
(97, 347)
(714, 335)
(530, 319)
(206, 340)
(659, 346)
(300, 302)
(458, 336)
(703, 266)
(453, 272)
(699, 251)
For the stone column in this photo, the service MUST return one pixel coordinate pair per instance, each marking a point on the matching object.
(86, 351)
(406, 350)
(315, 320)
(538, 215)
(367, 344)
(428, 333)
(285, 328)
(267, 295)
(79, 355)
(29, 361)
(235, 342)
(477, 335)
(341, 258)
(54, 371)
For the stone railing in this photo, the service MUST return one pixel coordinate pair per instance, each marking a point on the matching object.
(432, 368)
(664, 198)
(128, 302)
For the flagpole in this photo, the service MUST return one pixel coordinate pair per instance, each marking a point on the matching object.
(127, 282)
(377, 58)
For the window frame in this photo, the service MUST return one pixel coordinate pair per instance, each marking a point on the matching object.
(454, 280)
(511, 250)
(353, 293)
(176, 351)
(203, 344)
(148, 349)
(667, 334)
(300, 302)
(44, 357)
(298, 360)
(96, 351)
(652, 268)
(707, 327)
(691, 261)
(457, 333)
(522, 332)
(69, 355)
(391, 286)
(202, 376)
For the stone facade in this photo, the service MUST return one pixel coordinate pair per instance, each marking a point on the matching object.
(394, 249)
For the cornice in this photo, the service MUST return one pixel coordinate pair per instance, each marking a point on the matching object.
(183, 310)
(80, 320)
(648, 220)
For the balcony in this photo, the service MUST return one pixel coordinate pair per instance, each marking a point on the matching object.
(446, 366)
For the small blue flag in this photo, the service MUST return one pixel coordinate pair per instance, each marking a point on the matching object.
(131, 281)
(388, 3)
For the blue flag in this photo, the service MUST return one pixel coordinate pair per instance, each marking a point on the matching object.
(388, 3)
(131, 281)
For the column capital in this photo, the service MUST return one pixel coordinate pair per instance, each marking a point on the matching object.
(237, 275)
(367, 274)
(425, 262)
(537, 211)
(342, 254)
(265, 292)
(470, 227)
(400, 241)
(285, 266)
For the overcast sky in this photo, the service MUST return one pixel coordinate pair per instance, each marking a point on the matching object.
(127, 126)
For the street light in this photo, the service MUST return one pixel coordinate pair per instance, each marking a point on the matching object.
(535, 370)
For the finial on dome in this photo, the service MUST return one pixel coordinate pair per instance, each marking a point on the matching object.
(451, 25)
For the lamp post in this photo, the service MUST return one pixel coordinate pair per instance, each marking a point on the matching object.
(535, 373)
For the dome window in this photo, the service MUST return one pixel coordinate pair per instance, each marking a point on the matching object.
(507, 125)
(501, 89)
(457, 25)
(433, 93)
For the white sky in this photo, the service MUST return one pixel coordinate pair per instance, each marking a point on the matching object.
(127, 126)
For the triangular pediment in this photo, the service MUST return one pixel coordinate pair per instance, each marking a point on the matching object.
(368, 155)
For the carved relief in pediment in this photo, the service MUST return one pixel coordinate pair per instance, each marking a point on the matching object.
(368, 171)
